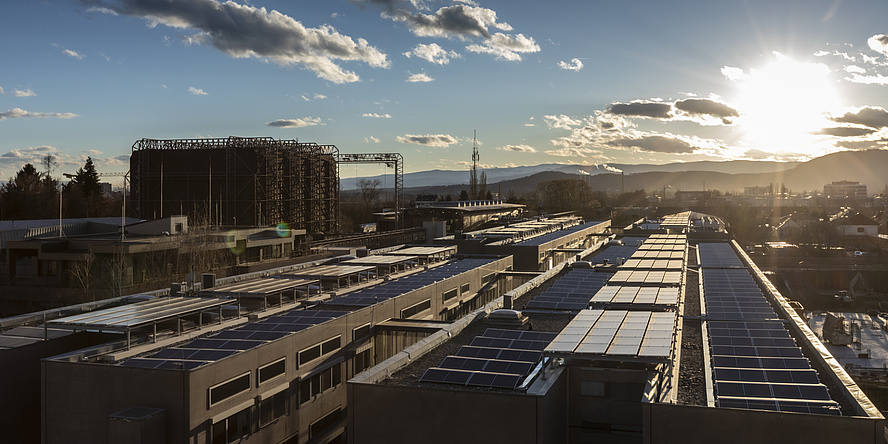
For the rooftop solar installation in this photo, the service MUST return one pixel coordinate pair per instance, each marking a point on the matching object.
(781, 405)
(617, 334)
(136, 315)
(422, 251)
(616, 295)
(756, 364)
(658, 254)
(645, 277)
(654, 264)
(718, 255)
(197, 352)
(548, 237)
(571, 292)
(614, 254)
(732, 293)
(506, 358)
(379, 259)
(257, 287)
(397, 287)
(327, 271)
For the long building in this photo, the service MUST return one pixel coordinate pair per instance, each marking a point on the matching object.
(686, 341)
(668, 336)
(243, 181)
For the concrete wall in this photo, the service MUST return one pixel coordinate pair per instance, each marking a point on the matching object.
(390, 414)
(78, 398)
(705, 425)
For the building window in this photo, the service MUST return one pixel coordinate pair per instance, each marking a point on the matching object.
(416, 309)
(272, 408)
(270, 371)
(327, 422)
(450, 294)
(487, 278)
(319, 383)
(316, 351)
(232, 428)
(229, 388)
(860, 229)
(363, 361)
(465, 288)
(361, 332)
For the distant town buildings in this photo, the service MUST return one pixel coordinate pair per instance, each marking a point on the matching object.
(844, 188)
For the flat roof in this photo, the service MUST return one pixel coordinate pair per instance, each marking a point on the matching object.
(421, 251)
(617, 334)
(136, 315)
(387, 290)
(257, 287)
(548, 237)
(380, 259)
(328, 271)
(197, 352)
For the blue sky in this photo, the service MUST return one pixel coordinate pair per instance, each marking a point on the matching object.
(584, 82)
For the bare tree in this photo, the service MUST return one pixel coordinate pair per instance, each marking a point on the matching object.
(81, 270)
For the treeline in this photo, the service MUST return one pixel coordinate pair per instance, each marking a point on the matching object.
(34, 194)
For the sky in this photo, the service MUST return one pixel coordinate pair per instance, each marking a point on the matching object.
(583, 82)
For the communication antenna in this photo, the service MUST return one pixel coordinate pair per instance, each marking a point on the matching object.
(473, 175)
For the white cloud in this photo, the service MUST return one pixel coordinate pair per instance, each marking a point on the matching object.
(506, 47)
(295, 123)
(71, 53)
(432, 53)
(23, 93)
(562, 122)
(17, 113)
(518, 148)
(371, 139)
(421, 77)
(574, 65)
(245, 31)
(377, 116)
(196, 91)
(435, 140)
(733, 74)
(879, 43)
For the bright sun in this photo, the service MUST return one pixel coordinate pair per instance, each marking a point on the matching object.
(784, 104)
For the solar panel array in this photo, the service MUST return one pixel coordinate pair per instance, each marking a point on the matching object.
(756, 364)
(612, 295)
(617, 334)
(571, 292)
(201, 351)
(614, 253)
(496, 359)
(732, 293)
(387, 290)
(718, 255)
(646, 277)
(548, 237)
(654, 264)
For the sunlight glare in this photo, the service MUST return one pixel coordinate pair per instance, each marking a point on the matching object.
(784, 104)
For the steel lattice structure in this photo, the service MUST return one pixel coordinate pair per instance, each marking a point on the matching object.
(245, 181)
(389, 159)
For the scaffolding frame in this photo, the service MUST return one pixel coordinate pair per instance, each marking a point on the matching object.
(388, 159)
(238, 181)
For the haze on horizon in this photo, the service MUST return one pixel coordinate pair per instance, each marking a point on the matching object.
(542, 82)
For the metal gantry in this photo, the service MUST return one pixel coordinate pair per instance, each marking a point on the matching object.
(395, 160)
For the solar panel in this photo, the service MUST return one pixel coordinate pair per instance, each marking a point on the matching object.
(815, 407)
(572, 292)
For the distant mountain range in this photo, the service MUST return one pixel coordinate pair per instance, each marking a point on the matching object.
(867, 167)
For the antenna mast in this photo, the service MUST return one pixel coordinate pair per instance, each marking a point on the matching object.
(473, 178)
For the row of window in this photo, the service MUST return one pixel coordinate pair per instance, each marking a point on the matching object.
(239, 425)
(241, 383)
